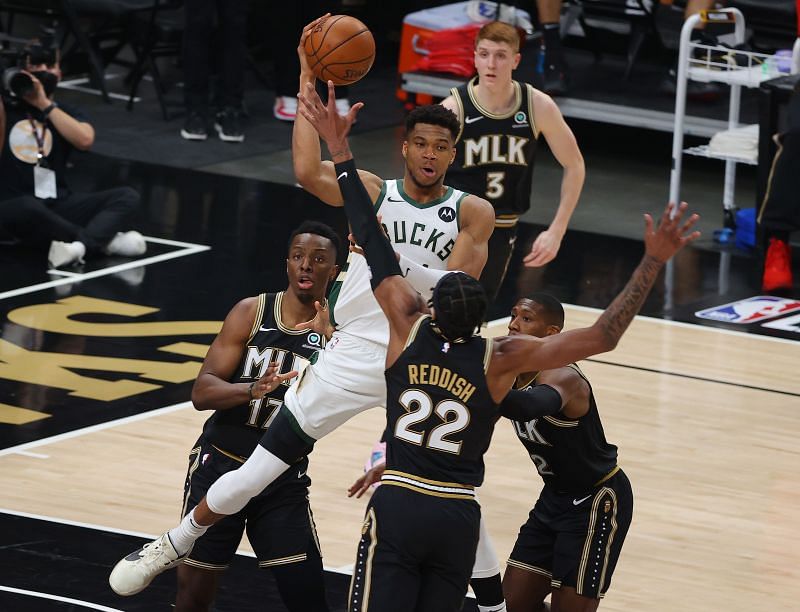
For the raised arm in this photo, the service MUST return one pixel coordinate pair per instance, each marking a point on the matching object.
(471, 248)
(80, 134)
(397, 298)
(517, 354)
(212, 389)
(550, 123)
(315, 175)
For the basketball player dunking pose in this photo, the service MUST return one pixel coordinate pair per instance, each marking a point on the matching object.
(501, 120)
(444, 385)
(430, 223)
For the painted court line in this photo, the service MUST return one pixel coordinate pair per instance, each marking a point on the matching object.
(34, 455)
(69, 600)
(186, 249)
(93, 428)
(348, 570)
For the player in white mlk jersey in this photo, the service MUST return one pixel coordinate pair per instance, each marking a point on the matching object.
(452, 230)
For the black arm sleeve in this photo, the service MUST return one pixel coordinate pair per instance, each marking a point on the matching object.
(361, 215)
(524, 405)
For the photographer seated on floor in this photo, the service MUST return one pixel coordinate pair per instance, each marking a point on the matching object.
(36, 137)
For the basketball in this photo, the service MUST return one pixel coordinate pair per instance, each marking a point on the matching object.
(341, 49)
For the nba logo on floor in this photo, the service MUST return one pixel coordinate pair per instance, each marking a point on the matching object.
(750, 310)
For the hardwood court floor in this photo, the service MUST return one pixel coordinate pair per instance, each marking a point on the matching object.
(706, 421)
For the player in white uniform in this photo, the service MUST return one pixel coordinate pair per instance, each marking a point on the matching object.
(445, 229)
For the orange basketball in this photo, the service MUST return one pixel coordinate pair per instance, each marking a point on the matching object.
(341, 49)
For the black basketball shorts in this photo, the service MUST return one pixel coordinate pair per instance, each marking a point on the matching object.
(575, 540)
(278, 521)
(416, 552)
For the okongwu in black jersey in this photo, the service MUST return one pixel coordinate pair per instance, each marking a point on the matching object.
(571, 455)
(237, 430)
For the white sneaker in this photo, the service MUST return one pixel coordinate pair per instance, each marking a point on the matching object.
(134, 572)
(285, 108)
(127, 244)
(65, 253)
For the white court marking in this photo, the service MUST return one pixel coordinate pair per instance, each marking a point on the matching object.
(34, 455)
(69, 600)
(186, 248)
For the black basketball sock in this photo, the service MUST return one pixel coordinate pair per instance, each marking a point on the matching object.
(488, 592)
(552, 43)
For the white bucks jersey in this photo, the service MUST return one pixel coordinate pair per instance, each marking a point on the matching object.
(425, 233)
(353, 307)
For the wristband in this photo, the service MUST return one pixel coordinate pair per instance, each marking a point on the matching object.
(49, 109)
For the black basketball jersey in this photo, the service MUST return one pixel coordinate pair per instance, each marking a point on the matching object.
(440, 415)
(238, 430)
(495, 153)
(571, 455)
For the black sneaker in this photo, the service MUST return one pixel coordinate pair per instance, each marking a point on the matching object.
(228, 125)
(194, 128)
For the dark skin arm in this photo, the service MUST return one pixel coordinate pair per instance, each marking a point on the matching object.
(212, 389)
(514, 355)
(397, 298)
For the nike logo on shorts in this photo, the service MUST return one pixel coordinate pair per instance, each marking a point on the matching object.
(578, 502)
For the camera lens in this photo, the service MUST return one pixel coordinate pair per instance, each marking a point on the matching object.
(19, 83)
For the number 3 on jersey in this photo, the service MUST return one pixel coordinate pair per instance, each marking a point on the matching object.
(419, 407)
(494, 184)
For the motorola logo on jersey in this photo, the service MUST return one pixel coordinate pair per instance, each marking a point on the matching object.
(447, 214)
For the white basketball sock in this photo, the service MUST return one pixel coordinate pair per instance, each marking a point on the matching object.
(184, 535)
(501, 607)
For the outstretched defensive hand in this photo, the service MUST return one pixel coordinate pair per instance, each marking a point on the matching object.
(270, 381)
(370, 477)
(671, 235)
(332, 127)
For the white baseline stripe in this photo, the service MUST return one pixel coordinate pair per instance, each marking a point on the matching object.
(693, 326)
(34, 455)
(189, 250)
(99, 427)
(62, 273)
(348, 569)
(77, 602)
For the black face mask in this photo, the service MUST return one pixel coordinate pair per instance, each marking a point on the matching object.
(49, 81)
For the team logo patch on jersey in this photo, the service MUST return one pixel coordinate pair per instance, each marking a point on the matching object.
(314, 339)
(447, 214)
(750, 310)
(520, 118)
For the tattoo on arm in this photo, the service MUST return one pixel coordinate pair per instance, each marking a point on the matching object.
(616, 318)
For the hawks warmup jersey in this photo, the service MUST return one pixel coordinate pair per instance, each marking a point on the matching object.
(440, 415)
(571, 455)
(495, 153)
(425, 233)
(237, 431)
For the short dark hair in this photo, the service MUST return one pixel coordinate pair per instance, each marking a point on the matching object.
(319, 229)
(433, 114)
(459, 303)
(551, 308)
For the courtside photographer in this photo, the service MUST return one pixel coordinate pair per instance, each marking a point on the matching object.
(37, 135)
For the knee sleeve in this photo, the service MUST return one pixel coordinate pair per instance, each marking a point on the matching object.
(231, 492)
